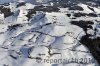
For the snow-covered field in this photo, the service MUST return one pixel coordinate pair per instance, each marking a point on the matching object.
(47, 38)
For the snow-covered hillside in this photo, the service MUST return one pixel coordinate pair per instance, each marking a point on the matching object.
(53, 33)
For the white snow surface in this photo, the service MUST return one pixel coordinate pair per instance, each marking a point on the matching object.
(23, 45)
